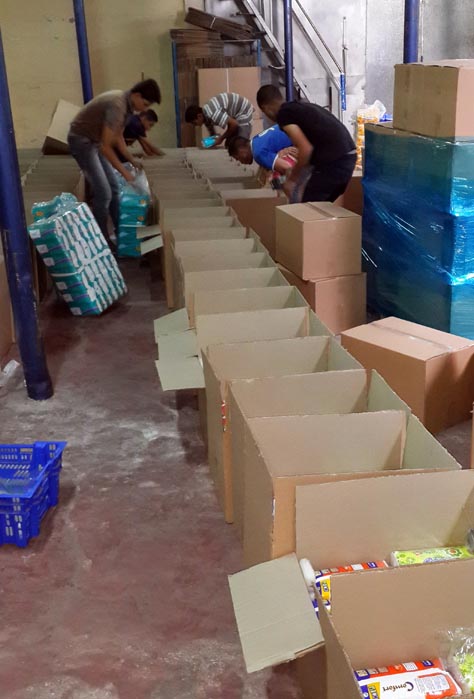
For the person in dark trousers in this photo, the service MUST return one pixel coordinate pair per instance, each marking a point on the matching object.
(325, 147)
(95, 133)
(136, 129)
(229, 111)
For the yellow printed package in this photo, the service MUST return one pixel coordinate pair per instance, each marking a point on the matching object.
(422, 684)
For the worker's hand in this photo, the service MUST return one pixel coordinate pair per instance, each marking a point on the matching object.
(137, 164)
(291, 150)
(218, 141)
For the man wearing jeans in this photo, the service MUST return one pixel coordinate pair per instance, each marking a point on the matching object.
(94, 134)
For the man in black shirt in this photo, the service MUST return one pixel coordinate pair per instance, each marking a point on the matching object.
(324, 146)
(136, 129)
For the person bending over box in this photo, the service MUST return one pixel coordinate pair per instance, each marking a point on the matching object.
(231, 112)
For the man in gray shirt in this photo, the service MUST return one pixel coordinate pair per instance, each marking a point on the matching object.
(231, 112)
(95, 133)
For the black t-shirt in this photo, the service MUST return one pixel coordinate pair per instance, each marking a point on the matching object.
(328, 136)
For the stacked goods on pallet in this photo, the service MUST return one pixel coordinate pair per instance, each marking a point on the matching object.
(419, 213)
(77, 257)
(134, 205)
(319, 248)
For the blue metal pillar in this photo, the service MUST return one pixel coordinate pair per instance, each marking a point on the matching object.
(177, 106)
(83, 48)
(17, 253)
(411, 33)
(288, 24)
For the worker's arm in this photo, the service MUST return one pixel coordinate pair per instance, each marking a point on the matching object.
(280, 165)
(231, 130)
(148, 147)
(305, 149)
(121, 146)
(110, 140)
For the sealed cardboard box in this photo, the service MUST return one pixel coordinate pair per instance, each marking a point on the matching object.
(318, 240)
(416, 516)
(340, 302)
(227, 364)
(435, 99)
(431, 370)
(255, 208)
(6, 321)
(284, 452)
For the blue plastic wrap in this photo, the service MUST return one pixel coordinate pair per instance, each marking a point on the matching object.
(135, 199)
(418, 229)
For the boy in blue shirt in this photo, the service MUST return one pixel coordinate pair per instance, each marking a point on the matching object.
(267, 148)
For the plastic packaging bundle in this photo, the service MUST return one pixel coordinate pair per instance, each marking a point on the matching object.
(418, 228)
(45, 209)
(135, 200)
(78, 258)
(421, 556)
(370, 114)
(460, 657)
(419, 680)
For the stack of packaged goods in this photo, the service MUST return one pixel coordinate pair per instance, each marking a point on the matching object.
(80, 262)
(418, 208)
(135, 199)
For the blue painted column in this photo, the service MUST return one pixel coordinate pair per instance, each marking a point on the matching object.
(16, 247)
(411, 32)
(83, 49)
(288, 25)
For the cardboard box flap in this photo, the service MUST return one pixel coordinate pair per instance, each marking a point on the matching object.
(316, 211)
(382, 397)
(422, 450)
(64, 113)
(420, 608)
(274, 613)
(151, 244)
(331, 210)
(171, 323)
(229, 300)
(339, 358)
(448, 63)
(178, 345)
(317, 327)
(180, 374)
(148, 232)
(222, 261)
(421, 510)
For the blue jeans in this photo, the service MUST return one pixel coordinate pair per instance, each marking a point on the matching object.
(101, 178)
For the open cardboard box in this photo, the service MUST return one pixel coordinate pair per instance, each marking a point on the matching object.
(179, 365)
(432, 371)
(284, 452)
(186, 217)
(235, 300)
(217, 261)
(315, 359)
(340, 302)
(421, 510)
(318, 240)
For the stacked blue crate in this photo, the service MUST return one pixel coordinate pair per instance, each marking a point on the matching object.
(418, 228)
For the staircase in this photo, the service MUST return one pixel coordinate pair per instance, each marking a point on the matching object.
(258, 14)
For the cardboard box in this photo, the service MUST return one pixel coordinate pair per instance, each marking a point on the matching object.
(187, 217)
(318, 240)
(218, 280)
(340, 302)
(429, 523)
(431, 370)
(284, 452)
(230, 300)
(56, 139)
(225, 366)
(6, 319)
(179, 365)
(255, 208)
(434, 99)
(221, 261)
(244, 81)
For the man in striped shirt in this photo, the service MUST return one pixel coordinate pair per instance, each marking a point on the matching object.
(231, 112)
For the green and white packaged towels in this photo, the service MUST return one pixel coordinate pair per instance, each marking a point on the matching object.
(135, 199)
(77, 255)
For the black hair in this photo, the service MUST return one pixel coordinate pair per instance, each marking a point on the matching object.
(150, 114)
(235, 144)
(192, 113)
(149, 90)
(267, 94)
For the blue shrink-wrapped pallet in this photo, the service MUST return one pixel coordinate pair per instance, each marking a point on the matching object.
(418, 228)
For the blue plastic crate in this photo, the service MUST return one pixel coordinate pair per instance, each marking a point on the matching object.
(29, 486)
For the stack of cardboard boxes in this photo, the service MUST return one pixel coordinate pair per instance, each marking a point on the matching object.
(419, 210)
(313, 457)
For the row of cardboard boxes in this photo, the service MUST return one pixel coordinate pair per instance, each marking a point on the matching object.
(314, 458)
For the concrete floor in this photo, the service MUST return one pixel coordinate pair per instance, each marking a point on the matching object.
(124, 595)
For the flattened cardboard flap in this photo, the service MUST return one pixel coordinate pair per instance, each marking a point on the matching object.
(171, 323)
(274, 613)
(180, 374)
(382, 397)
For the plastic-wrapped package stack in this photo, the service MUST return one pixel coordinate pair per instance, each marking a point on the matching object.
(78, 258)
(418, 228)
(135, 201)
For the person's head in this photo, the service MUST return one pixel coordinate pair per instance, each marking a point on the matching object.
(144, 94)
(269, 100)
(240, 149)
(148, 118)
(194, 115)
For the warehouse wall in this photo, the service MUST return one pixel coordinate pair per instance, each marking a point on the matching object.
(127, 39)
